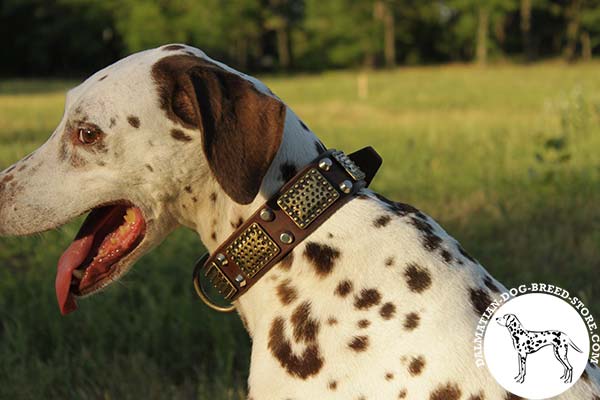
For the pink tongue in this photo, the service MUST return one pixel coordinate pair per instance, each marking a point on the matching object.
(72, 258)
(76, 254)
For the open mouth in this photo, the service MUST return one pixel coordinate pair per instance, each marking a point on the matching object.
(108, 234)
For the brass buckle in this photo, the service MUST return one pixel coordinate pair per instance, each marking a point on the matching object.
(200, 290)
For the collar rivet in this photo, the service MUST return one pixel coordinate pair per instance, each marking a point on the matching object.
(325, 164)
(266, 214)
(286, 237)
(221, 259)
(240, 280)
(346, 186)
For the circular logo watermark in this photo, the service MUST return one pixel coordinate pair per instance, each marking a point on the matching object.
(536, 344)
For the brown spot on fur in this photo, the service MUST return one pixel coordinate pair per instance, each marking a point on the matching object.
(180, 135)
(512, 396)
(309, 363)
(112, 123)
(288, 171)
(213, 236)
(7, 178)
(304, 126)
(389, 376)
(480, 300)
(411, 321)
(213, 197)
(416, 365)
(173, 47)
(449, 391)
(446, 256)
(490, 284)
(287, 261)
(402, 394)
(359, 343)
(133, 121)
(149, 167)
(188, 189)
(320, 147)
(238, 223)
(382, 221)
(22, 168)
(343, 288)
(287, 293)
(321, 256)
(103, 78)
(418, 278)
(363, 323)
(387, 311)
(331, 321)
(466, 255)
(389, 261)
(367, 299)
(430, 240)
(332, 385)
(304, 326)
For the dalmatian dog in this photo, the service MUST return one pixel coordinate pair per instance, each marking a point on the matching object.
(528, 342)
(377, 303)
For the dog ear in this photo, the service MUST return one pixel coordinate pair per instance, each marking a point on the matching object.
(241, 127)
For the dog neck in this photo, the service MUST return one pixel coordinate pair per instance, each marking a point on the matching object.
(215, 216)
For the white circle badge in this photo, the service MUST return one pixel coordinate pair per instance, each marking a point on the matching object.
(536, 345)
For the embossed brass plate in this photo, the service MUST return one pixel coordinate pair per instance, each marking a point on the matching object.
(308, 198)
(349, 165)
(220, 281)
(252, 250)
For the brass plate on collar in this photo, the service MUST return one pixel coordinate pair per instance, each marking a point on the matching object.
(220, 281)
(252, 250)
(308, 198)
(350, 166)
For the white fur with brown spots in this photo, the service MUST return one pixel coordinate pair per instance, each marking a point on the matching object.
(378, 303)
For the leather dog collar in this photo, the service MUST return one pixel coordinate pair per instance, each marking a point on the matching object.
(284, 221)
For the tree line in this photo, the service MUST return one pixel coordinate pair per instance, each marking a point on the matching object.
(63, 37)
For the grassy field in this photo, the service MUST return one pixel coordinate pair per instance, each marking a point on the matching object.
(506, 158)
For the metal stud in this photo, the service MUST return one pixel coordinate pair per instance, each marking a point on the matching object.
(266, 214)
(346, 186)
(221, 259)
(325, 164)
(286, 237)
(240, 280)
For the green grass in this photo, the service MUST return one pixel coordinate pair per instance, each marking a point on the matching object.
(505, 158)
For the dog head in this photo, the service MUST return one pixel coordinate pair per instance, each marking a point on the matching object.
(508, 320)
(133, 137)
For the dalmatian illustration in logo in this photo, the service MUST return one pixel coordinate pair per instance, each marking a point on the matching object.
(527, 342)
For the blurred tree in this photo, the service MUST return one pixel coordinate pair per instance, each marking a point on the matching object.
(572, 12)
(63, 37)
(281, 16)
(384, 11)
(526, 29)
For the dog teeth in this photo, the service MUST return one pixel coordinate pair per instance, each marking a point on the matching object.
(130, 216)
(77, 274)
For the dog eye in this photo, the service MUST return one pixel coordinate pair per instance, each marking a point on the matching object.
(88, 135)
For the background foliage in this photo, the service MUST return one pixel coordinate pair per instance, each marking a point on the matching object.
(62, 37)
(504, 157)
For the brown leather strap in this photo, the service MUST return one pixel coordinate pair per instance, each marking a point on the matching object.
(286, 219)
